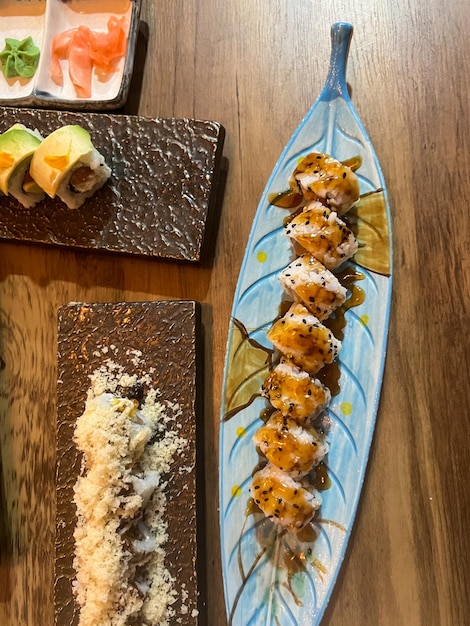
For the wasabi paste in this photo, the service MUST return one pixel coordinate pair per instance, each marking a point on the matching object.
(19, 58)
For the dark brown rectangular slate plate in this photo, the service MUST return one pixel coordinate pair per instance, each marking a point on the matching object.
(167, 335)
(158, 201)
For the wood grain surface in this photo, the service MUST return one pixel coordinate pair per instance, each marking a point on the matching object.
(256, 66)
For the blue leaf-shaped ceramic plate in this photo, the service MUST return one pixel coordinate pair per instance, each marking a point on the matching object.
(273, 578)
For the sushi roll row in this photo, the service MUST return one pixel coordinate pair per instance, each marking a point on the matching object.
(289, 441)
(64, 164)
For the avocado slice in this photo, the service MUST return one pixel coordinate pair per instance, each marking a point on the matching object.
(16, 144)
(57, 154)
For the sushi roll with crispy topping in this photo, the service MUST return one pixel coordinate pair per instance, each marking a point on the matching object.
(320, 231)
(320, 177)
(306, 280)
(17, 146)
(301, 337)
(67, 165)
(292, 448)
(283, 499)
(114, 535)
(292, 391)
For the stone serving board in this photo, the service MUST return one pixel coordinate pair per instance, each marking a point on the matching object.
(166, 335)
(158, 201)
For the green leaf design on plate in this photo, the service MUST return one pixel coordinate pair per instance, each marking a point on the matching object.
(368, 220)
(250, 365)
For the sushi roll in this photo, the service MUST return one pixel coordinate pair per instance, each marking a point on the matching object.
(307, 280)
(67, 165)
(17, 146)
(301, 337)
(292, 448)
(292, 391)
(319, 231)
(114, 535)
(285, 500)
(321, 177)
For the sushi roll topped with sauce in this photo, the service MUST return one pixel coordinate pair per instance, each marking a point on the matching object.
(285, 500)
(293, 392)
(292, 448)
(17, 147)
(321, 177)
(319, 231)
(308, 281)
(67, 165)
(303, 339)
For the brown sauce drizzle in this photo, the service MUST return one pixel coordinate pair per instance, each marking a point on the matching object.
(294, 562)
(285, 199)
(308, 534)
(330, 374)
(322, 481)
(348, 278)
(283, 308)
(266, 413)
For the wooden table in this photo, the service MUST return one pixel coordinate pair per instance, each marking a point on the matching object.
(256, 66)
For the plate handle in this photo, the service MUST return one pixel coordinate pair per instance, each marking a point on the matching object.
(335, 84)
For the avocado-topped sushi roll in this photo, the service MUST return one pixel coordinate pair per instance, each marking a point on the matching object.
(67, 165)
(17, 146)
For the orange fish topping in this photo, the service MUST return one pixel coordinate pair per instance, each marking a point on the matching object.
(57, 162)
(6, 159)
